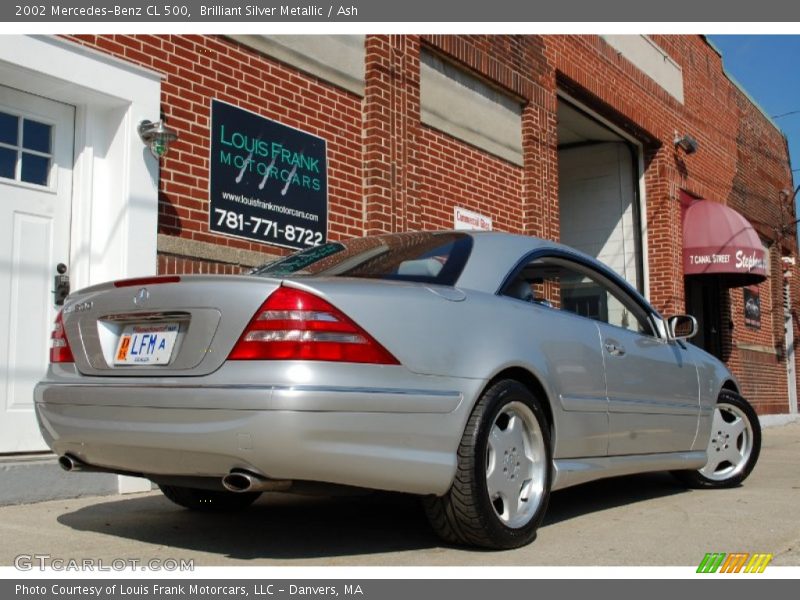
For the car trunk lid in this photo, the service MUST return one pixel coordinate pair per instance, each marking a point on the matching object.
(162, 326)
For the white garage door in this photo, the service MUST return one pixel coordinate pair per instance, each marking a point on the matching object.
(36, 157)
(596, 203)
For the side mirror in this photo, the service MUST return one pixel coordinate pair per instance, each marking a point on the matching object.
(682, 327)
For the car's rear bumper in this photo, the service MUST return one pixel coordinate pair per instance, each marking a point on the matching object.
(400, 438)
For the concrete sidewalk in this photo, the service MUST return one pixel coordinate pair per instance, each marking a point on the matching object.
(637, 520)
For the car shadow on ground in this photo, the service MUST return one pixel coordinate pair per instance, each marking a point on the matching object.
(282, 526)
(609, 493)
(277, 526)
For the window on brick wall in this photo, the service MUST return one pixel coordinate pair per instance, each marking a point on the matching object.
(338, 59)
(462, 105)
(650, 59)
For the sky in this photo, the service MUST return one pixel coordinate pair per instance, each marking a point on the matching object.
(766, 66)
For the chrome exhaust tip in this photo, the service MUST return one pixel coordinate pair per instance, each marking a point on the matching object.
(72, 464)
(241, 481)
(69, 463)
(237, 481)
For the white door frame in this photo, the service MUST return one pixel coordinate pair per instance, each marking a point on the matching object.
(788, 332)
(115, 179)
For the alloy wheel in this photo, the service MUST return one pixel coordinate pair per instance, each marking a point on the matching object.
(515, 465)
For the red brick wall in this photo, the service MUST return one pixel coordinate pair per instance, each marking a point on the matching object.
(452, 173)
(518, 65)
(171, 264)
(417, 175)
(391, 128)
(198, 68)
(742, 162)
(388, 172)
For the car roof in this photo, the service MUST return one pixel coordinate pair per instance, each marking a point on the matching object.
(495, 253)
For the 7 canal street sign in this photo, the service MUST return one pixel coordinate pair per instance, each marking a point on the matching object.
(702, 261)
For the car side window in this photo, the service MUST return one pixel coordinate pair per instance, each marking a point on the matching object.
(573, 287)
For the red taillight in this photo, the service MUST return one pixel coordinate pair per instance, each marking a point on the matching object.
(296, 325)
(147, 281)
(60, 351)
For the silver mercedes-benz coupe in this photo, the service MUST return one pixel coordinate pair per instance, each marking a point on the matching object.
(477, 370)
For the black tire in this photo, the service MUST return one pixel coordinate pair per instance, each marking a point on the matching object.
(467, 514)
(208, 500)
(730, 406)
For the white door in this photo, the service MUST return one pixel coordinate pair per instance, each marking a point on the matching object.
(36, 157)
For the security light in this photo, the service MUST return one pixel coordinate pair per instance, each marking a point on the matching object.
(157, 136)
(686, 143)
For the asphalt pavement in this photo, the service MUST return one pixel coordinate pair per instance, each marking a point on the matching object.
(637, 520)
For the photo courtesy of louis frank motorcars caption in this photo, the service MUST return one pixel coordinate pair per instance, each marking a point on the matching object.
(479, 370)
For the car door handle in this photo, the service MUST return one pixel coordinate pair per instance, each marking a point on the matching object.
(614, 349)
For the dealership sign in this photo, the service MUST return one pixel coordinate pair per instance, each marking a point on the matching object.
(267, 181)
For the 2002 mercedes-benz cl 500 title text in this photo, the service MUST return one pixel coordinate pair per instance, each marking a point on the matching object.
(478, 370)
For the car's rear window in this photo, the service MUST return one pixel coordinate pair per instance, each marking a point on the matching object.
(425, 257)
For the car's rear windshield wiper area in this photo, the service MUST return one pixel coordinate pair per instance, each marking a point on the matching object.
(425, 257)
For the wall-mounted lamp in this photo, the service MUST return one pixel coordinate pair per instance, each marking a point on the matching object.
(157, 136)
(786, 194)
(686, 143)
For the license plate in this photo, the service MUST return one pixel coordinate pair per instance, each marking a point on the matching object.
(146, 344)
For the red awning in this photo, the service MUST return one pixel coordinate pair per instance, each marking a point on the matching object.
(717, 240)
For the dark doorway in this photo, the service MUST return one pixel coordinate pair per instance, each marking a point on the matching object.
(704, 303)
